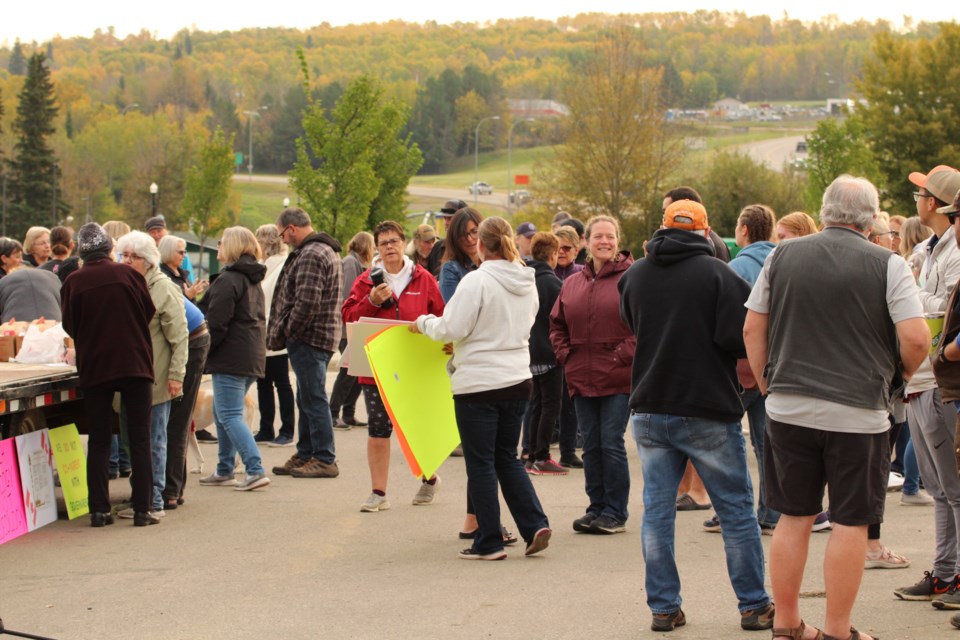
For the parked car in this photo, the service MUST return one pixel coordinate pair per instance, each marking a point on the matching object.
(802, 146)
(520, 196)
(480, 188)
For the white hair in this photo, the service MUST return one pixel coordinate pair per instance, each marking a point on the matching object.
(142, 245)
(850, 201)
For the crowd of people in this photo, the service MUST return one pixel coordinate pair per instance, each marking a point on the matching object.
(557, 337)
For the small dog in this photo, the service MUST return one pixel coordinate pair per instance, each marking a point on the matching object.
(203, 418)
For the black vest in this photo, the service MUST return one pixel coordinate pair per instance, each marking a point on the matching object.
(830, 332)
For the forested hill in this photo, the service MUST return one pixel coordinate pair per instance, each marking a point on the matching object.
(753, 58)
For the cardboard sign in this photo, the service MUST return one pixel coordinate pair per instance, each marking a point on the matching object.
(13, 522)
(35, 459)
(411, 373)
(72, 466)
(357, 335)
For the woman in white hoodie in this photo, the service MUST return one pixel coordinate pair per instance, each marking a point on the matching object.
(488, 320)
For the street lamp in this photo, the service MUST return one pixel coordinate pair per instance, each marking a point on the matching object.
(476, 155)
(286, 203)
(154, 190)
(510, 153)
(250, 115)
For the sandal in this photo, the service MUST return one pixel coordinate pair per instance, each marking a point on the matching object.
(854, 635)
(686, 503)
(508, 538)
(796, 633)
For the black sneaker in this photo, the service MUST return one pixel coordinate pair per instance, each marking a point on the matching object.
(757, 619)
(606, 525)
(571, 461)
(353, 422)
(929, 587)
(263, 436)
(712, 525)
(205, 436)
(950, 599)
(471, 554)
(582, 524)
(668, 621)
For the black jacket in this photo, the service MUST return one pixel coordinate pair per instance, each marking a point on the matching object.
(235, 312)
(548, 290)
(686, 309)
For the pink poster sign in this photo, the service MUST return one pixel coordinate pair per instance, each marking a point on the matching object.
(13, 521)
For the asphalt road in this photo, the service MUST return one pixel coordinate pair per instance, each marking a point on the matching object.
(774, 153)
(299, 560)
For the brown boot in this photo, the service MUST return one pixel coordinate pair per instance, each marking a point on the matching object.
(316, 469)
(295, 462)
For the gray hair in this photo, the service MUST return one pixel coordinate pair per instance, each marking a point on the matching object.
(269, 238)
(169, 246)
(293, 217)
(141, 244)
(850, 201)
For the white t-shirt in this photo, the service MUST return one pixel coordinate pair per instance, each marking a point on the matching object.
(903, 303)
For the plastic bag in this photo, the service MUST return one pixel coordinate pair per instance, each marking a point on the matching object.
(43, 347)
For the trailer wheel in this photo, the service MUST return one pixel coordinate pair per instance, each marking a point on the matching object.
(27, 421)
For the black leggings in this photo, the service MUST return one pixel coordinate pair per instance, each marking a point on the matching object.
(136, 394)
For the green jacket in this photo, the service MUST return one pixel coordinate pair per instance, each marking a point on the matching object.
(168, 331)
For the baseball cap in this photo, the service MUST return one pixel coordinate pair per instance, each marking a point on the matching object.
(526, 229)
(951, 208)
(425, 232)
(574, 224)
(450, 207)
(942, 181)
(686, 214)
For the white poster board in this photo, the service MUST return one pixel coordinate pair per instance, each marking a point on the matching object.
(35, 457)
(357, 334)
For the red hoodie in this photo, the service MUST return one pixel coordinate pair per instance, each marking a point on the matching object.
(420, 297)
(593, 344)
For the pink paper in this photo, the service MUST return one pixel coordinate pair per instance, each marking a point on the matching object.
(13, 521)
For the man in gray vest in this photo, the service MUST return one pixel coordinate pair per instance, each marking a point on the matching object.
(932, 425)
(857, 304)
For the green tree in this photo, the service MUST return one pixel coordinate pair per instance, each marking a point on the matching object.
(912, 101)
(834, 148)
(354, 168)
(17, 65)
(33, 170)
(619, 148)
(207, 191)
(734, 180)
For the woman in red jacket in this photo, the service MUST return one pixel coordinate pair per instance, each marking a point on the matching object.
(595, 348)
(408, 291)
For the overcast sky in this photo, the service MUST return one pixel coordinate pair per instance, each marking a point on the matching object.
(67, 18)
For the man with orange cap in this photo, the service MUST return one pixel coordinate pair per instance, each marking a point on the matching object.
(686, 309)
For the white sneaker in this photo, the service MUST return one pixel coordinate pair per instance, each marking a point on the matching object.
(213, 480)
(919, 499)
(252, 482)
(375, 503)
(427, 492)
(895, 481)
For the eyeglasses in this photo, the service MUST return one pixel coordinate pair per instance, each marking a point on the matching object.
(917, 195)
(566, 248)
(473, 233)
(894, 234)
(390, 243)
(130, 256)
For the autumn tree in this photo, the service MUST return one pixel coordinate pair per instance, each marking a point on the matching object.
(207, 191)
(353, 168)
(33, 169)
(17, 65)
(619, 148)
(912, 99)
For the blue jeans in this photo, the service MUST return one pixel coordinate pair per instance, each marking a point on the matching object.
(755, 405)
(119, 460)
(159, 416)
(603, 421)
(233, 434)
(489, 432)
(315, 429)
(719, 454)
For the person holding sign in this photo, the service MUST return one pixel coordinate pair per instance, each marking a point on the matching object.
(394, 288)
(488, 320)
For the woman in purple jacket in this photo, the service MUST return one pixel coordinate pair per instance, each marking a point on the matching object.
(595, 348)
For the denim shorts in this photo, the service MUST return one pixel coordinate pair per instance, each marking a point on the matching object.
(800, 461)
(378, 421)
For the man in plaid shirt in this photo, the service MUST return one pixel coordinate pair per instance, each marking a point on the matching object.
(305, 320)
